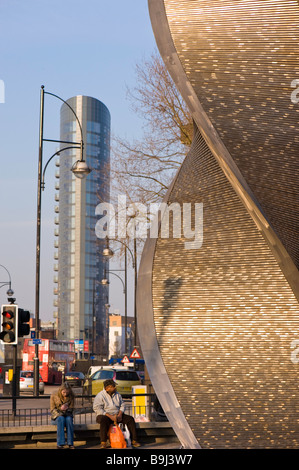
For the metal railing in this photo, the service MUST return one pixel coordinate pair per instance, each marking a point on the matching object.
(83, 412)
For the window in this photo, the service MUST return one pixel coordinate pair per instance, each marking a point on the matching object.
(92, 126)
(127, 375)
(27, 374)
(93, 139)
(103, 375)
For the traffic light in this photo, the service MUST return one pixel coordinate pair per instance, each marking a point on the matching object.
(9, 324)
(23, 319)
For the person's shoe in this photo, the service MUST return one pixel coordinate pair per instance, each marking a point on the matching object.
(135, 444)
(103, 445)
(71, 447)
(60, 447)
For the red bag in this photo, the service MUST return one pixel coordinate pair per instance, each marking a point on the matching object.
(116, 437)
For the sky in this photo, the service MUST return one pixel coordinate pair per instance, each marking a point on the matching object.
(72, 48)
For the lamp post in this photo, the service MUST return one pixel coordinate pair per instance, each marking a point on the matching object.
(80, 170)
(105, 282)
(108, 253)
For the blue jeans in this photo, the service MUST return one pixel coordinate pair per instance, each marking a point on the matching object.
(64, 422)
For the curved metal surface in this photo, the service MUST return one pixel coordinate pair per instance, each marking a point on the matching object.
(217, 324)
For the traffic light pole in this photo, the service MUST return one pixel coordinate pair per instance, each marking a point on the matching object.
(14, 380)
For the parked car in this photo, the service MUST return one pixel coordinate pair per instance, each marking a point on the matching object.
(125, 379)
(27, 382)
(75, 379)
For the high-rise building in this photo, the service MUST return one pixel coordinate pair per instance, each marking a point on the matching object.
(81, 301)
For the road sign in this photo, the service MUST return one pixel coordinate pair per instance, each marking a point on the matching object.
(37, 341)
(125, 360)
(135, 354)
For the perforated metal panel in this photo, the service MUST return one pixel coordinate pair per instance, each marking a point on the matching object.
(216, 324)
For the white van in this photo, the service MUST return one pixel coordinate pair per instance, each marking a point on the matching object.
(94, 369)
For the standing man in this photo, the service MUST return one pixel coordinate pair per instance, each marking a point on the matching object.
(109, 408)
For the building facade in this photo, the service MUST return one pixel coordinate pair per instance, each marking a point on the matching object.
(79, 266)
(117, 335)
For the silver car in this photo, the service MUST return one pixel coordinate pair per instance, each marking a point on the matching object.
(27, 382)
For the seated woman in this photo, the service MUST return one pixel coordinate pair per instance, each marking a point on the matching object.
(61, 407)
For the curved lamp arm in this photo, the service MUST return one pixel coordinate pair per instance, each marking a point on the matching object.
(125, 245)
(77, 119)
(56, 153)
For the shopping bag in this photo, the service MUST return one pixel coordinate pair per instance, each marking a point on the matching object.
(116, 437)
(126, 433)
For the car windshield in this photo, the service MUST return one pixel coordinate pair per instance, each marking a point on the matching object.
(27, 375)
(127, 375)
(103, 375)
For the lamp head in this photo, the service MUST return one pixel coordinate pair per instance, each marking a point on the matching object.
(107, 252)
(80, 169)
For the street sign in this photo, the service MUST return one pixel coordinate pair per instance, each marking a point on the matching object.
(37, 341)
(135, 354)
(125, 360)
(78, 344)
(32, 334)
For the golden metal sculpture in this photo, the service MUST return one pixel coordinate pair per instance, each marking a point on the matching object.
(219, 325)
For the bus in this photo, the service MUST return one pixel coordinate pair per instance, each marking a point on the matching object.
(55, 358)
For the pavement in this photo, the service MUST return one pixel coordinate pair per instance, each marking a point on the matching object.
(91, 444)
(81, 445)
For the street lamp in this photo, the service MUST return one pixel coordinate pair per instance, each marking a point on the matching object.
(108, 253)
(80, 170)
(9, 292)
(105, 281)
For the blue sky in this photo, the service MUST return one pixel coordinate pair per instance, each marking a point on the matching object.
(71, 47)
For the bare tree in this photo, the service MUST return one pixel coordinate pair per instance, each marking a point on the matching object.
(143, 169)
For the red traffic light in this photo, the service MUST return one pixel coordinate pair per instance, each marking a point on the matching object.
(8, 334)
(8, 314)
(7, 325)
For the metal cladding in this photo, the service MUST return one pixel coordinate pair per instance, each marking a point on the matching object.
(219, 324)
